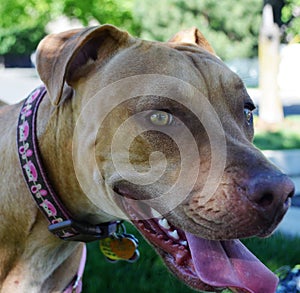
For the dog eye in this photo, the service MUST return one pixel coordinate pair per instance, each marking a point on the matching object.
(248, 116)
(161, 118)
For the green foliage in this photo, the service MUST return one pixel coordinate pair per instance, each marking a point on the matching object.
(231, 27)
(22, 25)
(116, 12)
(291, 17)
(23, 22)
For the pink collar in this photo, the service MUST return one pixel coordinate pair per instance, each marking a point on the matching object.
(60, 220)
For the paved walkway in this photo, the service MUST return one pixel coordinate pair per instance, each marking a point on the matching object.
(289, 162)
(16, 84)
(290, 224)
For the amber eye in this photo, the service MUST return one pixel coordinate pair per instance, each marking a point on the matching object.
(248, 116)
(161, 118)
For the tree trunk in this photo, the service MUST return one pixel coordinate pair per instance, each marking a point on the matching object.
(270, 105)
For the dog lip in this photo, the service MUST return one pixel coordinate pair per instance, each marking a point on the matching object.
(274, 222)
(175, 254)
(186, 274)
(195, 263)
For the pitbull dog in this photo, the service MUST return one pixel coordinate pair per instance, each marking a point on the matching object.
(170, 88)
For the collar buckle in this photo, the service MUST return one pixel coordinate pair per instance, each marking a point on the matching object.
(71, 230)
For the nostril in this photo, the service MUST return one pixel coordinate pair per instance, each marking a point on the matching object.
(268, 192)
(261, 197)
(265, 200)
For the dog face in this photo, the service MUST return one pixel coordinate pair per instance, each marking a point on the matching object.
(170, 129)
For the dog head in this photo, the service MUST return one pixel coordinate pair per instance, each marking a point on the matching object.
(164, 137)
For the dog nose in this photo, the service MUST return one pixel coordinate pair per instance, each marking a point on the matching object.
(270, 192)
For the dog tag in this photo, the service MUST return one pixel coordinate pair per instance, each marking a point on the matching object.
(122, 247)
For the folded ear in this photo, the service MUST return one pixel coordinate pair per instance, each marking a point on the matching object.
(193, 36)
(66, 57)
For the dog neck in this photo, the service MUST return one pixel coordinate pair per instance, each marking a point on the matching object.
(55, 139)
(44, 265)
(32, 259)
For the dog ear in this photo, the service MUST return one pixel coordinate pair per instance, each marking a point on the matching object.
(193, 36)
(59, 56)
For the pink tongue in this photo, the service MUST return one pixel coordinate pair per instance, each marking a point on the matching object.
(230, 264)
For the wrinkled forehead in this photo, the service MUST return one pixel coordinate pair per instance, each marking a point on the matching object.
(189, 63)
(178, 70)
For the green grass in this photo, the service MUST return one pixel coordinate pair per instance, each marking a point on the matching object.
(149, 274)
(285, 136)
(277, 140)
(276, 251)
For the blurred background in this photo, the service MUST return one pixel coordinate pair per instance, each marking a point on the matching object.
(257, 39)
(232, 28)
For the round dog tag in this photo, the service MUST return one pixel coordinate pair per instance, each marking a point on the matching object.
(114, 249)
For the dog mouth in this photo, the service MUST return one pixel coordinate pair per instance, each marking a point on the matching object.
(203, 264)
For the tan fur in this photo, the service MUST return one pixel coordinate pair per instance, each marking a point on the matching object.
(192, 36)
(74, 66)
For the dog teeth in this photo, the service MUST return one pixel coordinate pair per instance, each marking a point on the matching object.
(156, 214)
(174, 234)
(183, 242)
(164, 223)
